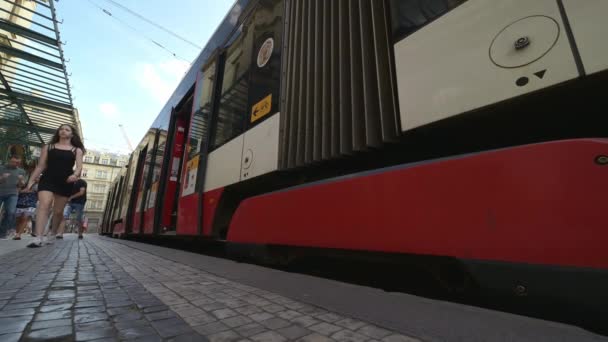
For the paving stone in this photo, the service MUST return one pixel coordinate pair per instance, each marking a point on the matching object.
(211, 328)
(315, 338)
(87, 298)
(131, 316)
(88, 304)
(293, 332)
(248, 310)
(30, 294)
(349, 336)
(288, 314)
(122, 310)
(224, 313)
(195, 312)
(136, 332)
(61, 294)
(350, 323)
(250, 329)
(212, 306)
(13, 325)
(94, 334)
(273, 308)
(61, 284)
(53, 315)
(171, 327)
(192, 337)
(27, 300)
(225, 336)
(275, 323)
(400, 338)
(374, 331)
(312, 311)
(50, 333)
(294, 305)
(85, 288)
(4, 296)
(262, 316)
(57, 307)
(237, 321)
(91, 317)
(200, 319)
(90, 310)
(51, 324)
(17, 312)
(10, 337)
(305, 321)
(324, 328)
(202, 301)
(21, 306)
(118, 304)
(268, 336)
(329, 317)
(131, 324)
(155, 316)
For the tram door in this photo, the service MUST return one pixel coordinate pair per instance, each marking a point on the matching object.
(189, 211)
(173, 158)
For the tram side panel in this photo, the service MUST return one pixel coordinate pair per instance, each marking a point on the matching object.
(588, 23)
(480, 53)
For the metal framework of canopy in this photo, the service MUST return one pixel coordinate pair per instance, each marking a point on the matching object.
(35, 95)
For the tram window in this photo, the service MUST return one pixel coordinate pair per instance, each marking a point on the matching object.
(408, 16)
(232, 109)
(202, 111)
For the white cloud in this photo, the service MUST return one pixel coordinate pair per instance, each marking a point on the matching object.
(109, 110)
(160, 79)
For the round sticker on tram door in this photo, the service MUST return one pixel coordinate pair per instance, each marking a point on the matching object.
(265, 52)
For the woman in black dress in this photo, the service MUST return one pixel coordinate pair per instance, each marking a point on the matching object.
(57, 161)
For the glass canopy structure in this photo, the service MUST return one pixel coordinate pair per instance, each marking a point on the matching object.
(35, 95)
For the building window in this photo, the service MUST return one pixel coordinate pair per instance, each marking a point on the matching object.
(88, 159)
(84, 173)
(101, 188)
(113, 162)
(100, 174)
(94, 204)
(105, 161)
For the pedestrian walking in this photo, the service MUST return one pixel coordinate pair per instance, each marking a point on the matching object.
(61, 161)
(75, 205)
(11, 177)
(26, 209)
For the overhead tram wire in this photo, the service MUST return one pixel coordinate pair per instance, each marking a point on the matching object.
(121, 6)
(139, 32)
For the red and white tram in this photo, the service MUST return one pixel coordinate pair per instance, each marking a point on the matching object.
(469, 133)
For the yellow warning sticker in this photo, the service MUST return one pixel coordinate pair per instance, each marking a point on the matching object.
(262, 108)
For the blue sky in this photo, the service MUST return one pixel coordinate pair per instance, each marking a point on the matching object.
(119, 77)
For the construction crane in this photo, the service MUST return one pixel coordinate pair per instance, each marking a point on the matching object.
(124, 134)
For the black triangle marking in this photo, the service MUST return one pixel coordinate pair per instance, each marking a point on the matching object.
(540, 74)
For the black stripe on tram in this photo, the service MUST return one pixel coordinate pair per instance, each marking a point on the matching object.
(577, 56)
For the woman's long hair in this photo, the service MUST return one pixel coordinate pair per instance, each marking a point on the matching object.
(76, 141)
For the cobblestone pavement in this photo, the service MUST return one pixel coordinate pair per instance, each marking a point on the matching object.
(98, 290)
(223, 310)
(10, 245)
(73, 291)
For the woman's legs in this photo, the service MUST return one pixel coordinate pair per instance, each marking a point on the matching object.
(45, 199)
(58, 208)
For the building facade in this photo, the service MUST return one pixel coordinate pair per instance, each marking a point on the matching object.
(99, 171)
